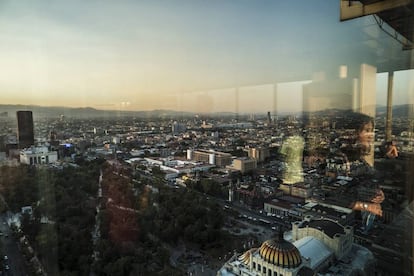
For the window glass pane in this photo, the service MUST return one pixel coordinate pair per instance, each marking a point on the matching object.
(196, 137)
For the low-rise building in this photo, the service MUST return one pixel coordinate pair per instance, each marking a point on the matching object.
(37, 155)
(285, 206)
(302, 190)
(244, 164)
(220, 159)
(258, 153)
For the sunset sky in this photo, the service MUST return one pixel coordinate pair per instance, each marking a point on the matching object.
(188, 55)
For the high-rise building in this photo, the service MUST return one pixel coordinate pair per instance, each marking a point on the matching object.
(269, 118)
(25, 131)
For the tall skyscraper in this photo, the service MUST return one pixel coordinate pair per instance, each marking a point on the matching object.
(25, 131)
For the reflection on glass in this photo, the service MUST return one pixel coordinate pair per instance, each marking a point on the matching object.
(216, 138)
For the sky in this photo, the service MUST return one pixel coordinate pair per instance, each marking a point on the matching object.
(188, 55)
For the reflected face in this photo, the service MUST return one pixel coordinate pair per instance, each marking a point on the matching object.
(366, 134)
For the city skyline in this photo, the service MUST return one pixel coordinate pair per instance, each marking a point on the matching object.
(180, 55)
(187, 151)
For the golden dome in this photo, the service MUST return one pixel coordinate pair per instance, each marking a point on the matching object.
(281, 253)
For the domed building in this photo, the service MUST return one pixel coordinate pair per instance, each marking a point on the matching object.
(317, 247)
(281, 253)
(275, 257)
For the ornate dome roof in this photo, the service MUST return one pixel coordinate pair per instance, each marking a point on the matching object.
(281, 253)
(245, 258)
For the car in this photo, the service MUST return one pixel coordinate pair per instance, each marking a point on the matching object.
(7, 267)
(5, 257)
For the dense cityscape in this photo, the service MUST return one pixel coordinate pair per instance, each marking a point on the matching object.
(184, 137)
(201, 194)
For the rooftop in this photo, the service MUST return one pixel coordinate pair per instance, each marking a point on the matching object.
(329, 227)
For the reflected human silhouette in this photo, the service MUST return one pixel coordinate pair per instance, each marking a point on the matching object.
(370, 196)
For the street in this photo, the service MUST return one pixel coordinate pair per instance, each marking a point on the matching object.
(15, 260)
(253, 215)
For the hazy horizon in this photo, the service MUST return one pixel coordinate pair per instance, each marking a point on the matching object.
(182, 54)
(31, 107)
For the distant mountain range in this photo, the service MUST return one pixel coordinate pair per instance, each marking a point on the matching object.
(397, 110)
(88, 112)
(85, 112)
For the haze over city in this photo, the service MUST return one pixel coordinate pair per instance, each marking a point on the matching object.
(206, 137)
(179, 55)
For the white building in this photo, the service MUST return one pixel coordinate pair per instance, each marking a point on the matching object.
(317, 247)
(37, 155)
